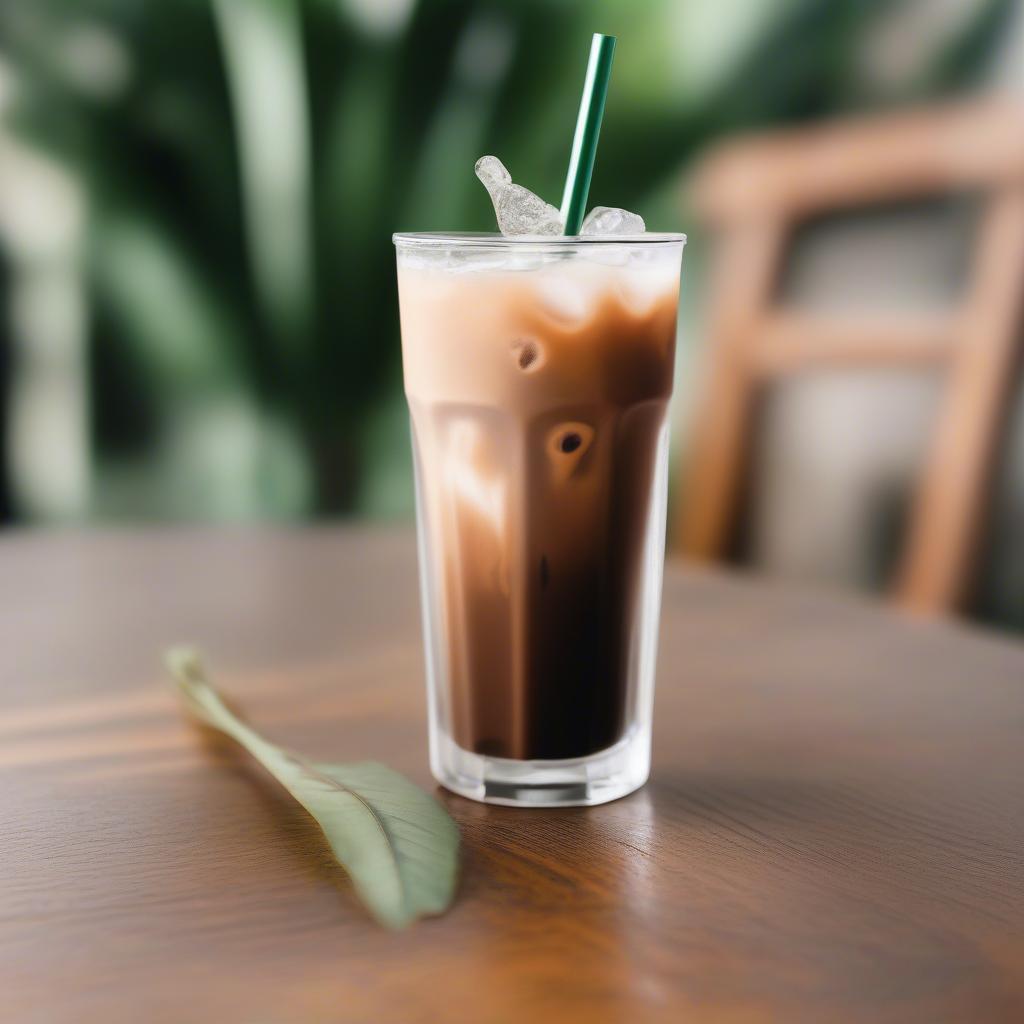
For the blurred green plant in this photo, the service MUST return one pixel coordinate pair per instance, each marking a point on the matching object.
(245, 162)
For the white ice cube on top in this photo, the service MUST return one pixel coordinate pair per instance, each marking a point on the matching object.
(609, 220)
(493, 173)
(518, 210)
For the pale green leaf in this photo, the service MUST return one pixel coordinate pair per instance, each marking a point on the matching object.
(396, 842)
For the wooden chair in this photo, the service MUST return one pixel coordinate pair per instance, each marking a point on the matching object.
(753, 192)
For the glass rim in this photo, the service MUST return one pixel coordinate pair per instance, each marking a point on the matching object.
(531, 243)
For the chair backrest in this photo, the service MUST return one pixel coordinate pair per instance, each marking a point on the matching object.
(753, 192)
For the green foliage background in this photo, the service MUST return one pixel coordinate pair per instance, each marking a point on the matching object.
(246, 161)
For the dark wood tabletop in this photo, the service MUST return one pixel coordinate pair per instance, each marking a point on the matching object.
(834, 830)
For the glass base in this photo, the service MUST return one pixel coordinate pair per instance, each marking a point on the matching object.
(578, 782)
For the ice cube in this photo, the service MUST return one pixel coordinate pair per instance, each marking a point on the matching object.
(493, 173)
(518, 210)
(566, 299)
(609, 220)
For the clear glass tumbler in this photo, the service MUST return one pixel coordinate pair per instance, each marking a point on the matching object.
(538, 373)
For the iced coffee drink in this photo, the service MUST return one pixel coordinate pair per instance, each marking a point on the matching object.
(538, 373)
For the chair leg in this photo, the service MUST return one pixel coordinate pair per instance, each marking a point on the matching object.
(743, 279)
(948, 512)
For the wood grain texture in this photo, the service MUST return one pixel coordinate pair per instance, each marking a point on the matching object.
(834, 830)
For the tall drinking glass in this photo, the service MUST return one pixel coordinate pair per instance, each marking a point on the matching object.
(538, 373)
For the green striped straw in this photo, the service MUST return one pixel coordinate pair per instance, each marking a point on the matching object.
(588, 128)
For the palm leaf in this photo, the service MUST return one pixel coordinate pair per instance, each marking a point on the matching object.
(398, 845)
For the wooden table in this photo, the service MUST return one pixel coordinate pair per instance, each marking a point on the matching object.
(834, 830)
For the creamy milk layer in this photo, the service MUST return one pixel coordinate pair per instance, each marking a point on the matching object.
(538, 398)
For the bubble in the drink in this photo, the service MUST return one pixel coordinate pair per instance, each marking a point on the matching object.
(568, 443)
(609, 220)
(527, 353)
(518, 210)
